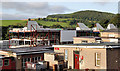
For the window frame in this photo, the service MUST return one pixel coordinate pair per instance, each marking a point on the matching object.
(97, 59)
(65, 54)
(24, 60)
(1, 62)
(84, 41)
(39, 58)
(8, 62)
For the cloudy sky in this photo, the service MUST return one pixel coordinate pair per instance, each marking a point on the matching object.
(14, 10)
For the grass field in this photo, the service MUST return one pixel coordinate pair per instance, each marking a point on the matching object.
(13, 22)
(50, 23)
(23, 22)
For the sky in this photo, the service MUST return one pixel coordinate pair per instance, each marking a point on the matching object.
(20, 9)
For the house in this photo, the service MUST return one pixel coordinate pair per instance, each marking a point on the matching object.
(26, 54)
(95, 56)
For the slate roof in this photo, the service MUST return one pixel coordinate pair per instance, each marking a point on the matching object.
(111, 26)
(82, 26)
(99, 27)
(37, 27)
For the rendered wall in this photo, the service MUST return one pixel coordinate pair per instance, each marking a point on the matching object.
(88, 57)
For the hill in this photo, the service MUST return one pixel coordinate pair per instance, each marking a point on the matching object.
(88, 17)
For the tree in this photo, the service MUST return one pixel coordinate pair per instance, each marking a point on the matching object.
(57, 20)
(29, 19)
(56, 26)
(38, 18)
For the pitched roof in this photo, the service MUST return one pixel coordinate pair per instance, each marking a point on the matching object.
(34, 25)
(99, 27)
(82, 26)
(111, 26)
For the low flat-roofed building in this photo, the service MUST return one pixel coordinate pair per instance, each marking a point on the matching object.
(91, 55)
(28, 54)
(112, 35)
(86, 39)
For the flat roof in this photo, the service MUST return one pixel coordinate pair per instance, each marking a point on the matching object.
(112, 30)
(29, 50)
(91, 45)
(49, 30)
(87, 37)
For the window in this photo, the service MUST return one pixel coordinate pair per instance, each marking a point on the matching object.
(27, 42)
(35, 58)
(1, 63)
(39, 58)
(24, 61)
(97, 59)
(84, 41)
(21, 43)
(29, 59)
(6, 62)
(111, 35)
(66, 54)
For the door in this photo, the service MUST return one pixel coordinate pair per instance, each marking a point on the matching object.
(76, 61)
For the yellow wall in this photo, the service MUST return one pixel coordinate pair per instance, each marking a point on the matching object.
(88, 57)
(78, 40)
(50, 58)
(107, 34)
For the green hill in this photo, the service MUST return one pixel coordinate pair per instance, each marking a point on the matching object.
(88, 17)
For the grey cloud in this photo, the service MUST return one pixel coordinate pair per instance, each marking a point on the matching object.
(59, 9)
(34, 8)
(12, 17)
(15, 16)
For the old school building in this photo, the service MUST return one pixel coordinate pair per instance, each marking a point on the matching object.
(90, 55)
